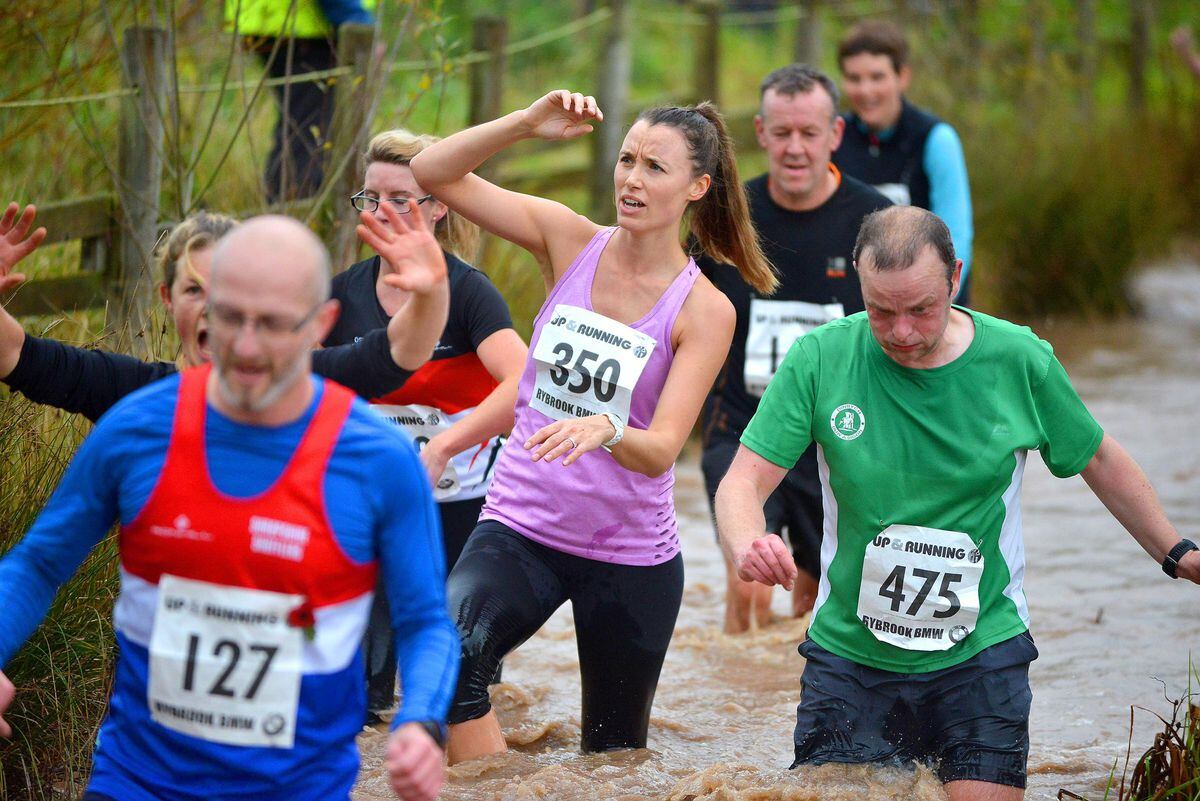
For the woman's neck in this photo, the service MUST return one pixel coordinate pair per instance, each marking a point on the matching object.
(650, 252)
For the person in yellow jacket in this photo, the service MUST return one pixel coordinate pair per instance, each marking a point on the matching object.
(294, 37)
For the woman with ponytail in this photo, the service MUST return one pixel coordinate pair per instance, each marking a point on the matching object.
(624, 349)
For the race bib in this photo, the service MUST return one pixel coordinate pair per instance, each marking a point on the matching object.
(774, 326)
(897, 193)
(920, 587)
(587, 364)
(225, 664)
(424, 423)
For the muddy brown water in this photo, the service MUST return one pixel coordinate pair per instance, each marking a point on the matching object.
(1113, 631)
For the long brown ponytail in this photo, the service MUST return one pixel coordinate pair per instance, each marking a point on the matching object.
(720, 221)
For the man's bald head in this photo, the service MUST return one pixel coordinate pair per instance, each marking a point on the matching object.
(281, 244)
(895, 237)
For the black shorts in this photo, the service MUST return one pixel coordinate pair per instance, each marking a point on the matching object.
(968, 722)
(793, 510)
(505, 586)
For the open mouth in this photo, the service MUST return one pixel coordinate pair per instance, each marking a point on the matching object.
(630, 203)
(202, 344)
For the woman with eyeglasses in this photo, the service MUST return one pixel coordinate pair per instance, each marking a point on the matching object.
(89, 381)
(457, 405)
(623, 352)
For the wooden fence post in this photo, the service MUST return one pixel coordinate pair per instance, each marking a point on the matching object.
(131, 277)
(612, 95)
(708, 51)
(486, 101)
(808, 34)
(353, 109)
(1139, 53)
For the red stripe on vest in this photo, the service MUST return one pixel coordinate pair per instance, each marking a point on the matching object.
(453, 384)
(280, 540)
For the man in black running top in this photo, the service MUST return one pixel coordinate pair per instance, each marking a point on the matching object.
(807, 215)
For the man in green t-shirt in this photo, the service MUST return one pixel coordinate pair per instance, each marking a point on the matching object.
(923, 414)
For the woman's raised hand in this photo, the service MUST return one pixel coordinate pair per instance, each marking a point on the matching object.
(16, 243)
(407, 245)
(562, 115)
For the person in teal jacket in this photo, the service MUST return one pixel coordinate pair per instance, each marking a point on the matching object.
(294, 37)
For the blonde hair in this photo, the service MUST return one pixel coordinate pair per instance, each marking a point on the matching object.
(399, 147)
(196, 232)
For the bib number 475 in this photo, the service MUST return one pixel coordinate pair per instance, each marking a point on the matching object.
(893, 590)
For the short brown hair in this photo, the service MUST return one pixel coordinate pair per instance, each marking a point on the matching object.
(793, 79)
(894, 237)
(878, 38)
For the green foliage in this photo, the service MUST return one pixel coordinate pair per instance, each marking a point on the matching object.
(1064, 212)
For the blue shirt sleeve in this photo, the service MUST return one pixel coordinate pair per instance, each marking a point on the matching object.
(414, 571)
(407, 543)
(339, 12)
(949, 189)
(77, 516)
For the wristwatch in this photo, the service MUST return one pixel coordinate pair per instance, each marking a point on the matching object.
(435, 729)
(1171, 560)
(619, 426)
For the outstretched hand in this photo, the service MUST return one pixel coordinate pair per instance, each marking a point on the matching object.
(562, 115)
(16, 243)
(408, 246)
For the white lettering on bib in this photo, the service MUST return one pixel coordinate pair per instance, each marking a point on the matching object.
(774, 326)
(897, 193)
(587, 364)
(424, 423)
(224, 663)
(920, 587)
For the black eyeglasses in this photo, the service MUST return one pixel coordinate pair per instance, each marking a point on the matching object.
(364, 202)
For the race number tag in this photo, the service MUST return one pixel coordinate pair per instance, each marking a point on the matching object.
(920, 587)
(587, 364)
(424, 423)
(897, 193)
(774, 326)
(225, 664)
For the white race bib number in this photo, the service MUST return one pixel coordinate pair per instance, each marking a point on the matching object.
(424, 423)
(774, 326)
(897, 193)
(225, 664)
(920, 587)
(587, 364)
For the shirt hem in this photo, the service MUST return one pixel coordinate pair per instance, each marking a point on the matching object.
(595, 555)
(955, 657)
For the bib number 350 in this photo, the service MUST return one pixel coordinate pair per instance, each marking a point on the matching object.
(920, 587)
(587, 364)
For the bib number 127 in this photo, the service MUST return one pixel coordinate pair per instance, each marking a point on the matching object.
(231, 653)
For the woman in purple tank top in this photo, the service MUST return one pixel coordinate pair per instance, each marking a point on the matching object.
(624, 349)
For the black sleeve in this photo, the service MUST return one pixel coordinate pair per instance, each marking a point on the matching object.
(77, 380)
(480, 307)
(366, 366)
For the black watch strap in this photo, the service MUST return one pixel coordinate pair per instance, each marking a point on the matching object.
(435, 729)
(1171, 560)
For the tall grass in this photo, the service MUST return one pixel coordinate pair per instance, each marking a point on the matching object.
(62, 673)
